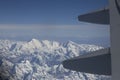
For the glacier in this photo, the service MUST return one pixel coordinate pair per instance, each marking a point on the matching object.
(42, 60)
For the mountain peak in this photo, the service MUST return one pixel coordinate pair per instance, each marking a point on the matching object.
(33, 44)
(34, 40)
(70, 43)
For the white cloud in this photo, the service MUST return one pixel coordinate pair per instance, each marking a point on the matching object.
(81, 30)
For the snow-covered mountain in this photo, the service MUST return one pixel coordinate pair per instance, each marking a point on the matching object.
(41, 60)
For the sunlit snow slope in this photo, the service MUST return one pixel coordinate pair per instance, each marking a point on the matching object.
(41, 60)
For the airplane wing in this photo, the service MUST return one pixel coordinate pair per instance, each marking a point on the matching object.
(98, 17)
(97, 62)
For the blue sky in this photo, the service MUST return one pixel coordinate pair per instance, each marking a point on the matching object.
(46, 11)
(49, 19)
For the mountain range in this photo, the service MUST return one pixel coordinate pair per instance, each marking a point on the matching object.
(42, 60)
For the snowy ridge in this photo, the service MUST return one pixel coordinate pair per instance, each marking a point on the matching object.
(41, 60)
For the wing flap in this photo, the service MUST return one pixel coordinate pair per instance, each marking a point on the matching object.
(98, 17)
(95, 62)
